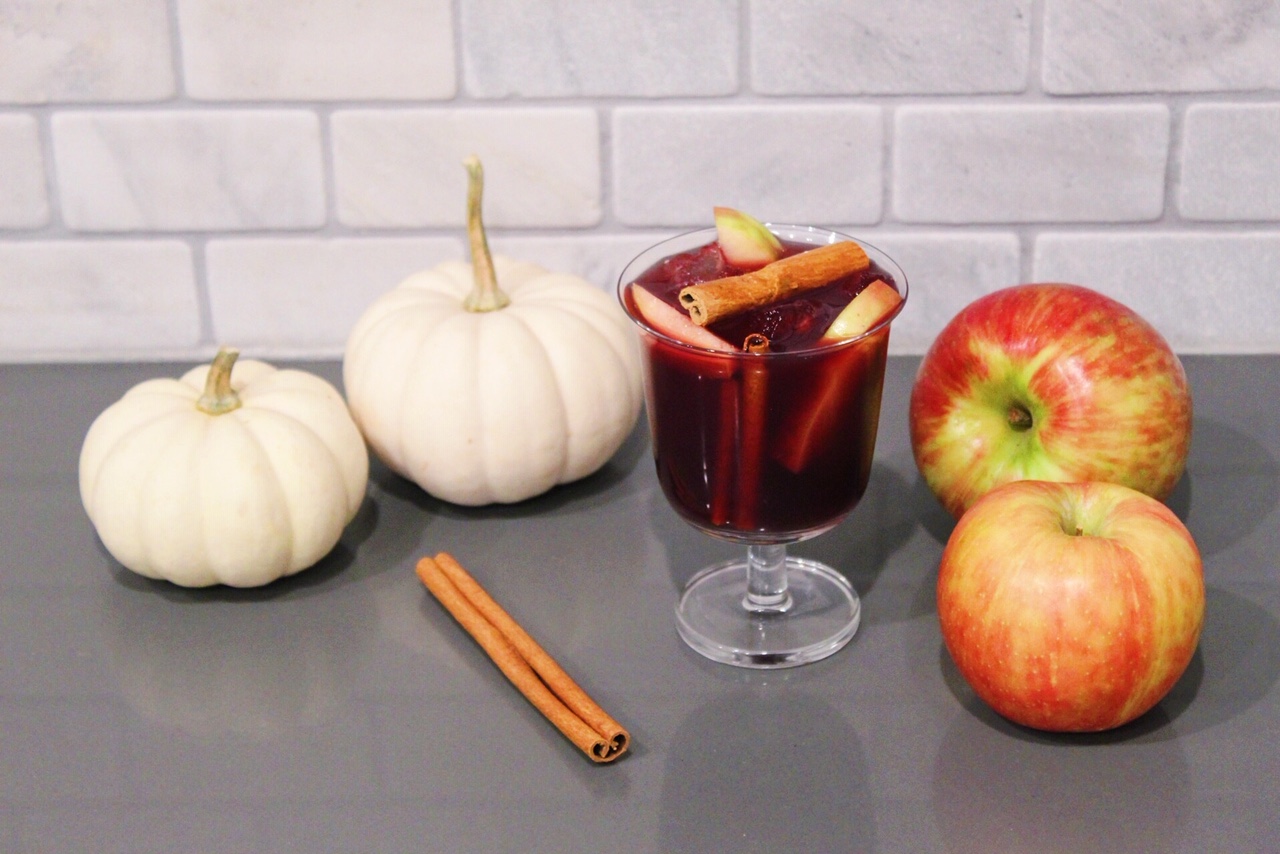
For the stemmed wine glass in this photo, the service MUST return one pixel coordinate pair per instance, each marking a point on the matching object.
(762, 449)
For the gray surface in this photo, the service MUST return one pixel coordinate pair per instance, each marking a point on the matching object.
(343, 710)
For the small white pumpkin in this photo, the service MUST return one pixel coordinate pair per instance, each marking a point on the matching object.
(222, 479)
(494, 381)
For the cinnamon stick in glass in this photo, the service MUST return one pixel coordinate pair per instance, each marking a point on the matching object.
(753, 413)
(526, 664)
(709, 301)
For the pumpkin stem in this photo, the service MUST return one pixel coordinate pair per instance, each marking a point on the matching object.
(218, 397)
(486, 295)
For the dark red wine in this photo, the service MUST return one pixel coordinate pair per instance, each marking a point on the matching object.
(773, 446)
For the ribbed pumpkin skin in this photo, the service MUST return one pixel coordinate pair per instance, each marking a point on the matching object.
(493, 407)
(240, 498)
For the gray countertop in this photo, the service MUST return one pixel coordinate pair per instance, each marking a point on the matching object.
(343, 710)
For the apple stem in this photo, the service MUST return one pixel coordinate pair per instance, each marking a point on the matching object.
(1019, 417)
(486, 296)
(218, 397)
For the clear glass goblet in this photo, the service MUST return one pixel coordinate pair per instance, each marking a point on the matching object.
(762, 449)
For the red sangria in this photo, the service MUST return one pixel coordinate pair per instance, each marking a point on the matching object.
(763, 413)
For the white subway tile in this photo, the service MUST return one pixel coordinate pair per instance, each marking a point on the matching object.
(873, 47)
(89, 50)
(597, 258)
(317, 50)
(1102, 46)
(24, 198)
(945, 272)
(1231, 162)
(1205, 292)
(303, 295)
(403, 168)
(1001, 164)
(69, 298)
(529, 48)
(810, 164)
(179, 170)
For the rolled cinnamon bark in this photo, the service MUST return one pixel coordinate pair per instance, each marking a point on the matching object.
(533, 672)
(709, 301)
(753, 413)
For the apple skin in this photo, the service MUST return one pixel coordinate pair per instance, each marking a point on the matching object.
(1070, 607)
(745, 241)
(871, 305)
(1048, 382)
(674, 323)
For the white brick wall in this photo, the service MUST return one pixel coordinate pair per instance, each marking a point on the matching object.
(179, 173)
(77, 298)
(811, 163)
(303, 294)
(316, 50)
(585, 48)
(1037, 163)
(24, 200)
(90, 50)
(189, 170)
(906, 47)
(1099, 46)
(1231, 156)
(402, 168)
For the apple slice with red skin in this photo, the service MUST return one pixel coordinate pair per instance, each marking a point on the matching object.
(673, 323)
(812, 428)
(745, 241)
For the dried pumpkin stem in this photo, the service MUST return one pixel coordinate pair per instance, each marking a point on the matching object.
(486, 295)
(219, 397)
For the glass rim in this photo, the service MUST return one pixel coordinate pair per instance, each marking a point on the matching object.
(900, 279)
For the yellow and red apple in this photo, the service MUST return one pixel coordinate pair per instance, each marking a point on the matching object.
(1070, 607)
(1051, 382)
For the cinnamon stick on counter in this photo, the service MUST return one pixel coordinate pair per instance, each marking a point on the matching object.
(526, 664)
(710, 301)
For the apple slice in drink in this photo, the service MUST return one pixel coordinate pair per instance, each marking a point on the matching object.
(811, 427)
(674, 323)
(744, 241)
(872, 304)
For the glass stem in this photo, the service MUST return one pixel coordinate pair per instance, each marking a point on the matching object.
(767, 580)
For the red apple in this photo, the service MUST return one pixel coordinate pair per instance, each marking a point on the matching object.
(1071, 607)
(1048, 382)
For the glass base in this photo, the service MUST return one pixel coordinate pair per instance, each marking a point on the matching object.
(819, 615)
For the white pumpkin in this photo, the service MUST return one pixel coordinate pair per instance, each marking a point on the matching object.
(217, 478)
(494, 381)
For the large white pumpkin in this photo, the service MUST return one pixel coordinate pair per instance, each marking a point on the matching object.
(224, 478)
(492, 382)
